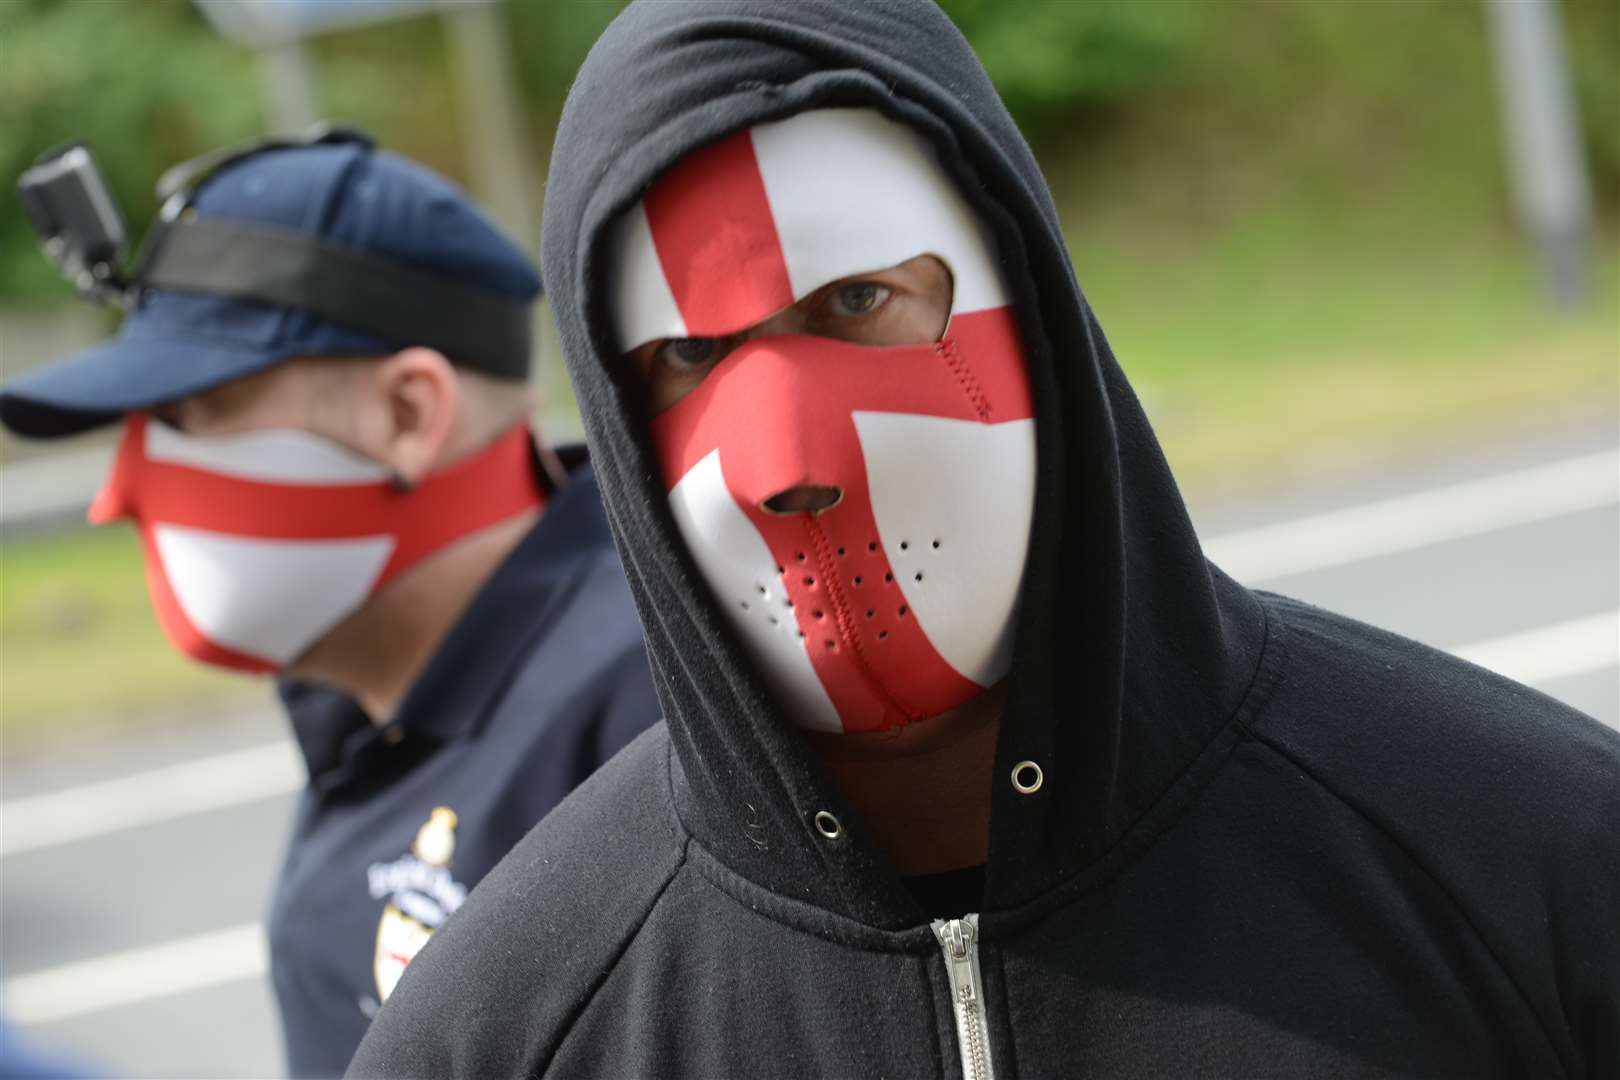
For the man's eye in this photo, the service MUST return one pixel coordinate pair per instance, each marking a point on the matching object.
(684, 354)
(858, 299)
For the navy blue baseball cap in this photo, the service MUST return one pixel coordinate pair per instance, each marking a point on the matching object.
(346, 195)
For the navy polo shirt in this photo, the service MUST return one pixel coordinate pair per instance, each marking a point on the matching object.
(542, 679)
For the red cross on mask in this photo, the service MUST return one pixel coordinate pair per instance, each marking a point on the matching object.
(259, 543)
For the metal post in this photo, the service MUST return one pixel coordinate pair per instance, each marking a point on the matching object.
(497, 141)
(1546, 162)
(289, 86)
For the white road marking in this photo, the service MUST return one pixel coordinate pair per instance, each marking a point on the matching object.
(1420, 519)
(191, 787)
(136, 975)
(1577, 647)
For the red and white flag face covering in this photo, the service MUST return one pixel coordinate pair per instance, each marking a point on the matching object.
(258, 544)
(898, 603)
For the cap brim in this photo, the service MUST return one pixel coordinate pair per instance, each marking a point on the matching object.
(119, 376)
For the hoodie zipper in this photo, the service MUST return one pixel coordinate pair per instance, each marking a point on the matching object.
(960, 940)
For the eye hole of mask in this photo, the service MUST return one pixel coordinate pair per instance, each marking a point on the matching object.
(907, 304)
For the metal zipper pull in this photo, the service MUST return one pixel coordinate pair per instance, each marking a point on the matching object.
(960, 940)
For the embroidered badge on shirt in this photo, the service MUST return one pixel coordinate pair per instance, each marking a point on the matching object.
(421, 896)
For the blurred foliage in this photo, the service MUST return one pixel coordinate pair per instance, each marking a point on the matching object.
(1593, 28)
(1051, 60)
(149, 82)
(146, 81)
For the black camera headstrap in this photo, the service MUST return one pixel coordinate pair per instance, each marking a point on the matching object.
(297, 270)
(293, 269)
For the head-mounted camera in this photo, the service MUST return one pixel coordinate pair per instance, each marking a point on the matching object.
(70, 206)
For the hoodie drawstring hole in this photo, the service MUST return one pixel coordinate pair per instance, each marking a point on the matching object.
(1027, 778)
(828, 826)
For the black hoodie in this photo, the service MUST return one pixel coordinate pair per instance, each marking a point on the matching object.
(1270, 841)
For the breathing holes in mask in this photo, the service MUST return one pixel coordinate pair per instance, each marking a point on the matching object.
(903, 610)
(1027, 778)
(883, 635)
(918, 576)
(828, 826)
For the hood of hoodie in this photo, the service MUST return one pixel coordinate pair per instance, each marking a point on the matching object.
(1131, 653)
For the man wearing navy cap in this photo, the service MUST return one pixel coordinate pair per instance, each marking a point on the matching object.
(326, 454)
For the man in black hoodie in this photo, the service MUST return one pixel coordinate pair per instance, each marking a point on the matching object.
(1152, 823)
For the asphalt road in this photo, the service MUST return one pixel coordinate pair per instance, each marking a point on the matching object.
(132, 877)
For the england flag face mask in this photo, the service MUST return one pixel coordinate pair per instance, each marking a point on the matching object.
(897, 602)
(258, 544)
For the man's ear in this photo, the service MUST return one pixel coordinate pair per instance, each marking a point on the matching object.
(422, 395)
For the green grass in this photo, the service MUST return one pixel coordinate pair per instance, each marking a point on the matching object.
(1254, 359)
(79, 643)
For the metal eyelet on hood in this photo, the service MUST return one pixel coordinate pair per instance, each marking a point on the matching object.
(1027, 778)
(828, 825)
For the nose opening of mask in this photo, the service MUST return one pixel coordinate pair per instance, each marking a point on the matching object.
(803, 499)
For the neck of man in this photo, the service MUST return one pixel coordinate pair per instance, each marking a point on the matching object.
(923, 790)
(376, 653)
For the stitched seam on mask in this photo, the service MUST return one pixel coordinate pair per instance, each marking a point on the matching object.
(964, 378)
(846, 623)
